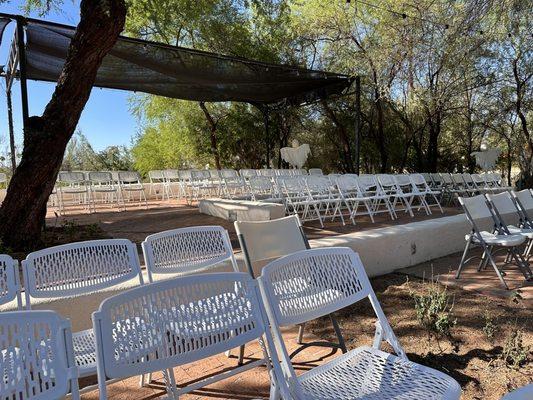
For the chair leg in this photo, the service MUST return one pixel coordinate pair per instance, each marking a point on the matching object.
(338, 332)
(498, 272)
(170, 384)
(300, 338)
(461, 264)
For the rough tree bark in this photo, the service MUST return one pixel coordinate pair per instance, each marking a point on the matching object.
(45, 138)
(344, 137)
(212, 135)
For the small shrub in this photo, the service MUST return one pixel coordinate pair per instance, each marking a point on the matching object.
(489, 328)
(434, 310)
(70, 228)
(514, 352)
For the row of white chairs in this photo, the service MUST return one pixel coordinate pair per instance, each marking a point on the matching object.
(319, 197)
(465, 184)
(502, 221)
(89, 189)
(160, 325)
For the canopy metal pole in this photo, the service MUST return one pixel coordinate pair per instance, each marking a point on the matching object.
(11, 130)
(267, 135)
(357, 124)
(22, 68)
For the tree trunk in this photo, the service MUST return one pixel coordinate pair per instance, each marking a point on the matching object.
(344, 137)
(45, 138)
(213, 135)
(381, 135)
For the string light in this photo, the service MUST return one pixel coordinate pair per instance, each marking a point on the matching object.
(400, 14)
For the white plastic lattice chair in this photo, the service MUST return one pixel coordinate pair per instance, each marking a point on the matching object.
(37, 358)
(312, 283)
(78, 269)
(188, 251)
(176, 322)
(130, 183)
(485, 234)
(523, 393)
(9, 281)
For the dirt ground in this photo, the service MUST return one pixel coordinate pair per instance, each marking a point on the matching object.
(469, 356)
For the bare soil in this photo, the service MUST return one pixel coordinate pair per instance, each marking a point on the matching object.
(469, 356)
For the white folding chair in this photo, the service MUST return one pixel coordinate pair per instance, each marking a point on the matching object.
(9, 281)
(353, 197)
(509, 220)
(78, 269)
(232, 184)
(37, 358)
(130, 183)
(297, 198)
(421, 185)
(485, 235)
(176, 322)
(186, 251)
(411, 192)
(389, 186)
(329, 202)
(72, 190)
(262, 189)
(265, 241)
(450, 191)
(312, 283)
(523, 393)
(158, 184)
(246, 174)
(524, 203)
(103, 189)
(370, 187)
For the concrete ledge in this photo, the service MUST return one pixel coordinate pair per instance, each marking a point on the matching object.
(241, 210)
(384, 250)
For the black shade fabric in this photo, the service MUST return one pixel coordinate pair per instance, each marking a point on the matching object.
(182, 73)
(3, 24)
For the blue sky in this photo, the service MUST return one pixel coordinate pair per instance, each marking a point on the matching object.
(106, 119)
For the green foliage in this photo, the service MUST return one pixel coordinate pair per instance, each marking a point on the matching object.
(489, 328)
(434, 310)
(514, 352)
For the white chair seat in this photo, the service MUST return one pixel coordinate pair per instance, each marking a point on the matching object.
(521, 231)
(85, 352)
(499, 240)
(371, 374)
(523, 393)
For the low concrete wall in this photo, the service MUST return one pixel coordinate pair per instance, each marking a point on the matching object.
(382, 251)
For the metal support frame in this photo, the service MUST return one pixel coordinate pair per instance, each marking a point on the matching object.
(357, 124)
(267, 134)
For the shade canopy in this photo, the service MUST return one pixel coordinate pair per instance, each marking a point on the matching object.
(181, 73)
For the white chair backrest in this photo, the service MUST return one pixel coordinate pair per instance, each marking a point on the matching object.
(187, 251)
(504, 204)
(79, 268)
(419, 180)
(436, 177)
(71, 177)
(199, 175)
(386, 181)
(170, 174)
(312, 283)
(176, 322)
(347, 183)
(260, 184)
(403, 180)
(468, 178)
(315, 171)
(37, 356)
(266, 240)
(185, 175)
(156, 175)
(447, 178)
(367, 182)
(292, 184)
(9, 281)
(525, 197)
(458, 179)
(229, 173)
(129, 177)
(478, 179)
(214, 174)
(100, 177)
(248, 173)
(317, 183)
(478, 212)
